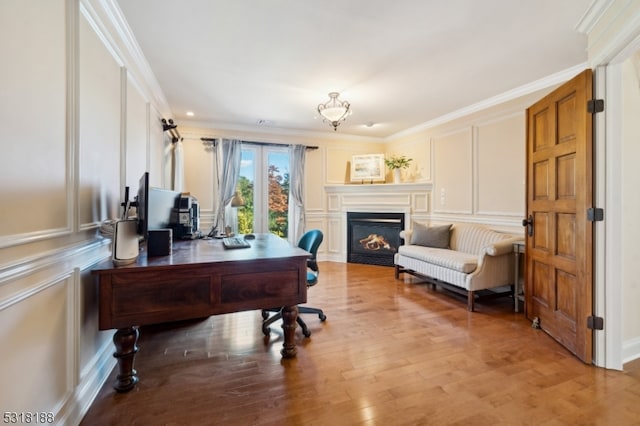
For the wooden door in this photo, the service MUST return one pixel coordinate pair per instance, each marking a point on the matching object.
(559, 284)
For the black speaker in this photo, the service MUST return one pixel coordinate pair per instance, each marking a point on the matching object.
(159, 242)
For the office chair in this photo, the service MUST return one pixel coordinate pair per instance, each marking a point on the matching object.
(310, 242)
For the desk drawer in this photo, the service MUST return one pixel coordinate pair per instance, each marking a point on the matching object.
(236, 288)
(145, 298)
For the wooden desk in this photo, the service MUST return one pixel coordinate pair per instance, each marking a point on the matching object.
(200, 278)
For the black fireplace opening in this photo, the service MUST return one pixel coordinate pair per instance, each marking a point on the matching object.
(373, 238)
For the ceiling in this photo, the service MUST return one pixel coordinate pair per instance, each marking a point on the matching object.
(266, 65)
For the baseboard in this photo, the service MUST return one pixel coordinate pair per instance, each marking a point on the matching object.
(630, 350)
(75, 408)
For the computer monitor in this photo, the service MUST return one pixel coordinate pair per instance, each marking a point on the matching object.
(161, 204)
(155, 206)
(142, 204)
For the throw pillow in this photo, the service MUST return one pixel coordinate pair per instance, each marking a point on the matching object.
(431, 236)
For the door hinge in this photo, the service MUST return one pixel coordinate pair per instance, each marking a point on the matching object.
(595, 323)
(595, 214)
(595, 105)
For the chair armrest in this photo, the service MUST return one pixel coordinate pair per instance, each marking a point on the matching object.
(501, 247)
(406, 235)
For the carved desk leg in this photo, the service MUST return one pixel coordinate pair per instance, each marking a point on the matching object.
(289, 316)
(125, 340)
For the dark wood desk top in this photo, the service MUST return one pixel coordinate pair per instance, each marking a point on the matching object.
(198, 279)
(201, 278)
(190, 253)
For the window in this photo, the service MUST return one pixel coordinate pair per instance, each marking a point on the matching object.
(264, 186)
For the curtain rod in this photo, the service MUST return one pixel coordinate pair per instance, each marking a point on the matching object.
(256, 143)
(172, 128)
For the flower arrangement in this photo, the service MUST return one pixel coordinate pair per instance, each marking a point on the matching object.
(398, 162)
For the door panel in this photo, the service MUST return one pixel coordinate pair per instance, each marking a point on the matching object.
(559, 285)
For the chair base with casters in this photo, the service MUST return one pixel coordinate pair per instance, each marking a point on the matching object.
(310, 242)
(267, 321)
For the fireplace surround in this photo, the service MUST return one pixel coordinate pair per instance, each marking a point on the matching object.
(373, 238)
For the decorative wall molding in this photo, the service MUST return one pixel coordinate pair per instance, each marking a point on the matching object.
(20, 280)
(446, 150)
(30, 237)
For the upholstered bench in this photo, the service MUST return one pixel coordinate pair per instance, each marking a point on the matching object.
(464, 256)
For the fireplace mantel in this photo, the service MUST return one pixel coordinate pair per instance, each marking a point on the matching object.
(407, 197)
(378, 187)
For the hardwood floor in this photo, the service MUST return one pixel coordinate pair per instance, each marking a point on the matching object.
(392, 352)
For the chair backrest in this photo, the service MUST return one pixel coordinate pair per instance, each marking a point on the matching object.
(310, 242)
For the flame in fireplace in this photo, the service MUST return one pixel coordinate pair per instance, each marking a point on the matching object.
(376, 242)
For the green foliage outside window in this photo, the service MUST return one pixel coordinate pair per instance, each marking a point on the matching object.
(245, 213)
(278, 202)
(278, 187)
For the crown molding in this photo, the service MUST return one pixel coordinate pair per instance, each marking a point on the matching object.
(543, 83)
(108, 22)
(267, 131)
(592, 15)
(613, 30)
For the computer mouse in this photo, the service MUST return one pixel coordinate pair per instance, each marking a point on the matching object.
(249, 237)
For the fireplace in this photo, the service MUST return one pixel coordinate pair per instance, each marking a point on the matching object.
(373, 238)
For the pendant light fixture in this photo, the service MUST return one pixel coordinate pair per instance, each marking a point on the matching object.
(334, 110)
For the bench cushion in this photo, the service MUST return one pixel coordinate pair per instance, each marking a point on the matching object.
(455, 260)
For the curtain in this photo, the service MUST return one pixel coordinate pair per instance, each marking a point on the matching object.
(297, 157)
(178, 166)
(228, 156)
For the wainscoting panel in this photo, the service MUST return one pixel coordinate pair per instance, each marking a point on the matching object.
(137, 135)
(38, 323)
(333, 239)
(51, 345)
(333, 202)
(420, 201)
(33, 109)
(99, 130)
(499, 182)
(452, 160)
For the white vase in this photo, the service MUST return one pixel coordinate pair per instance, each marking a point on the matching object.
(396, 176)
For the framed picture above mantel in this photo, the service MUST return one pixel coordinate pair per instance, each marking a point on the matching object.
(367, 168)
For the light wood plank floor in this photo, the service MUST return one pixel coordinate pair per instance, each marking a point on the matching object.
(390, 353)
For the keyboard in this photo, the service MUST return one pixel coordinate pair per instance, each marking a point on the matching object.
(235, 242)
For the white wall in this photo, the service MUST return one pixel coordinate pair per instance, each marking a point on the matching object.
(630, 199)
(80, 125)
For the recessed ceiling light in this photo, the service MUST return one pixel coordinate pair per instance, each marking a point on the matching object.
(370, 124)
(190, 113)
